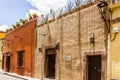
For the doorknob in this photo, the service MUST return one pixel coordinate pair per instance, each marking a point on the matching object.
(99, 70)
(95, 68)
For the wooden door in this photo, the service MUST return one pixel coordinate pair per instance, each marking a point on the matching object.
(50, 62)
(8, 63)
(94, 67)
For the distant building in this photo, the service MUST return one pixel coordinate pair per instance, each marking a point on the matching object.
(114, 57)
(2, 35)
(19, 49)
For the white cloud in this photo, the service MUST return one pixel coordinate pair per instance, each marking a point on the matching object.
(4, 27)
(44, 6)
(32, 11)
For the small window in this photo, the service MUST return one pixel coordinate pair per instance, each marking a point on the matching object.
(20, 58)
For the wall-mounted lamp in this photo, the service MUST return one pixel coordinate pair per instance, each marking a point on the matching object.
(57, 46)
(40, 49)
(92, 40)
(103, 7)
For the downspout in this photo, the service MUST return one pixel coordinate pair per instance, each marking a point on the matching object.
(112, 35)
(49, 37)
(35, 50)
(79, 38)
(61, 48)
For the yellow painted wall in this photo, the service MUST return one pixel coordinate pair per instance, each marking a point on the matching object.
(1, 41)
(2, 35)
(115, 43)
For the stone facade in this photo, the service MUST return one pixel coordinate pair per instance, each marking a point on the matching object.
(73, 38)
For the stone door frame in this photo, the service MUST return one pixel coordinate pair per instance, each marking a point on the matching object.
(103, 64)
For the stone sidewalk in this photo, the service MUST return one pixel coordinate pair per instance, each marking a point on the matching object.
(13, 76)
(7, 77)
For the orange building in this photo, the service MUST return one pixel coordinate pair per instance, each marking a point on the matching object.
(19, 49)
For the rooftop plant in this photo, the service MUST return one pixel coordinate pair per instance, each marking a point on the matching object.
(14, 26)
(60, 11)
(30, 16)
(52, 14)
(18, 24)
(7, 30)
(46, 18)
(69, 6)
(34, 15)
(78, 3)
(22, 21)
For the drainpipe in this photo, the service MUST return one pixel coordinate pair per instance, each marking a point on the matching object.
(49, 37)
(35, 50)
(79, 38)
(61, 48)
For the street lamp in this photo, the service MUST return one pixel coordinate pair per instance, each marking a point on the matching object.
(103, 7)
(102, 4)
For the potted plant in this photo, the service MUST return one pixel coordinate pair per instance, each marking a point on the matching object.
(22, 21)
(30, 16)
(10, 29)
(18, 24)
(26, 20)
(7, 30)
(34, 15)
(14, 26)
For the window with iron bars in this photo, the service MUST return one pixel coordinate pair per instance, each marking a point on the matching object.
(20, 58)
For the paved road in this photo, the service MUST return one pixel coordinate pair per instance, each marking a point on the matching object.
(7, 77)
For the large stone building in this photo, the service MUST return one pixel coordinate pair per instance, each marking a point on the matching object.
(19, 49)
(73, 47)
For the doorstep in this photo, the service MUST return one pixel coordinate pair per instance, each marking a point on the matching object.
(48, 79)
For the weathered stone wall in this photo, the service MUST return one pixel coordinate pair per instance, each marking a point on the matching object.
(73, 32)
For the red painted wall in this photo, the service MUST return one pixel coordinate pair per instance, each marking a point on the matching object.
(21, 39)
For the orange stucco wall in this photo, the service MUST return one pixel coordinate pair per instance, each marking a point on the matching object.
(21, 39)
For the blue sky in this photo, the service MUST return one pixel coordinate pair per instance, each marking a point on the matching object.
(12, 10)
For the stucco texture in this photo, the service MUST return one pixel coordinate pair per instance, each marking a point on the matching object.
(115, 43)
(73, 32)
